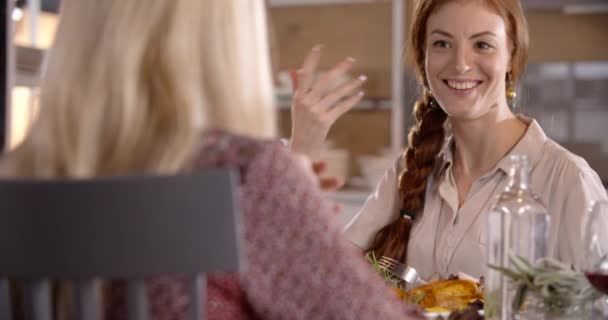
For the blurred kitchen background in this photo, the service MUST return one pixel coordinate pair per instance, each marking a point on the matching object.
(565, 86)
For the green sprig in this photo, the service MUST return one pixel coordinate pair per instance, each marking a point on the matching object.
(388, 277)
(392, 280)
(556, 285)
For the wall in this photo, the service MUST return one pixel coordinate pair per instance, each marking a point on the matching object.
(559, 37)
(364, 32)
(361, 31)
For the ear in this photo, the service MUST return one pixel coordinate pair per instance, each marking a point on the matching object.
(509, 66)
(511, 57)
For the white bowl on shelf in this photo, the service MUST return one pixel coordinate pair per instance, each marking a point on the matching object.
(373, 168)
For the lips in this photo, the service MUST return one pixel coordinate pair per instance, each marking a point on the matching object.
(462, 85)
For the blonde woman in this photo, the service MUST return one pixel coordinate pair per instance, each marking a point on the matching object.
(161, 87)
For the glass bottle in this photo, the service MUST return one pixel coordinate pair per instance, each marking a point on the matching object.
(517, 225)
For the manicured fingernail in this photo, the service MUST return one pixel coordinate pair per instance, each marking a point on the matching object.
(360, 93)
(362, 77)
(350, 59)
(317, 47)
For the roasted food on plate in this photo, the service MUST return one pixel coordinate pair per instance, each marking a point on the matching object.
(446, 294)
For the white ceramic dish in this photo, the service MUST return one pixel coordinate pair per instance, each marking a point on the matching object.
(435, 315)
(443, 315)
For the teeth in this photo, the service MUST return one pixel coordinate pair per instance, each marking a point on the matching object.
(462, 85)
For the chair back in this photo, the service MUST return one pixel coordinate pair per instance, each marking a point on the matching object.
(124, 227)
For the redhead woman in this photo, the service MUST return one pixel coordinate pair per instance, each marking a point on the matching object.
(429, 209)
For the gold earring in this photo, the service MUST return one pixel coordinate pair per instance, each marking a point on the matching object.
(511, 92)
(431, 99)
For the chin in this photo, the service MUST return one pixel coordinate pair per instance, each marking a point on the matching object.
(455, 107)
(463, 112)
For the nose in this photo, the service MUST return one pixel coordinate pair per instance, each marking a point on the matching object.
(462, 59)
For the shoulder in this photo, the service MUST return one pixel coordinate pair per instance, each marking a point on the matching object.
(221, 149)
(274, 163)
(569, 171)
(564, 162)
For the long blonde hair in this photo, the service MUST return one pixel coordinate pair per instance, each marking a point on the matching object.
(131, 85)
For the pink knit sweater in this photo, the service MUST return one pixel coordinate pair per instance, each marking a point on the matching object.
(298, 266)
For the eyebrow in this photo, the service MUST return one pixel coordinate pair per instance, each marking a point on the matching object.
(449, 35)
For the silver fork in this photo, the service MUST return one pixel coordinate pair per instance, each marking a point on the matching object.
(408, 274)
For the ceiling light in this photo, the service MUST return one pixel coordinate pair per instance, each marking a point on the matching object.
(17, 14)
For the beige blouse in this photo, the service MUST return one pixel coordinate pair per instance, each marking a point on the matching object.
(447, 239)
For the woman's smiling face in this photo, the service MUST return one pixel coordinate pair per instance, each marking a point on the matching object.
(467, 58)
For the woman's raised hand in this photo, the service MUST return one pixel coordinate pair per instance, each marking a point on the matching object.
(317, 104)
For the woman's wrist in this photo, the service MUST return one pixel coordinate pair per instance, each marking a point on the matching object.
(308, 149)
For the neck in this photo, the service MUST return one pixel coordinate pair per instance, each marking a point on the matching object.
(482, 142)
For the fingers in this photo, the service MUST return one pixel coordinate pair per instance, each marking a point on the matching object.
(331, 183)
(312, 93)
(326, 81)
(312, 118)
(318, 166)
(295, 80)
(326, 183)
(344, 106)
(345, 90)
(309, 68)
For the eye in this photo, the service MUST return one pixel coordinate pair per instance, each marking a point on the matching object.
(441, 44)
(483, 45)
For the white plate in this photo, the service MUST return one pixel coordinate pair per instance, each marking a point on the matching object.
(434, 315)
(445, 315)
